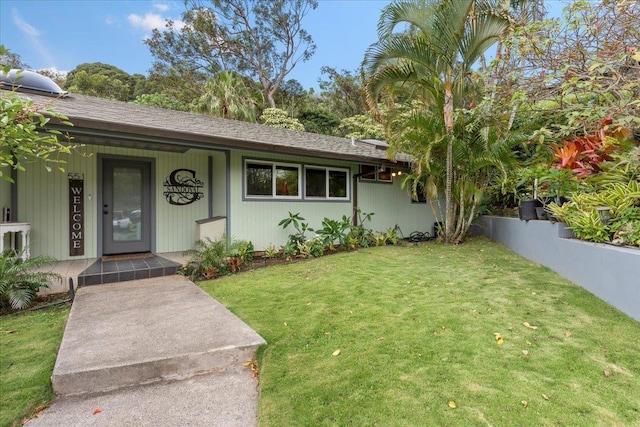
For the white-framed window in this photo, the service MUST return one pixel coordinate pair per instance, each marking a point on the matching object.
(326, 183)
(272, 180)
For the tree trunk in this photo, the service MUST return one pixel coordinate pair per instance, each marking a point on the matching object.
(448, 123)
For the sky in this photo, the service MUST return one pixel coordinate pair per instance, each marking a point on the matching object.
(62, 34)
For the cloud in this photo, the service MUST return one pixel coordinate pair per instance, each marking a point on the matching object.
(148, 22)
(110, 20)
(26, 28)
(33, 35)
(162, 7)
(151, 21)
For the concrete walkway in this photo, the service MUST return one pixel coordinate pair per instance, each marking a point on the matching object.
(153, 352)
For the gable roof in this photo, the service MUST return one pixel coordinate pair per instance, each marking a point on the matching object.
(107, 122)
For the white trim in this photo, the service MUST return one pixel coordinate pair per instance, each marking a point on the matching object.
(274, 166)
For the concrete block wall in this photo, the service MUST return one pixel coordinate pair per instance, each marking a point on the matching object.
(609, 272)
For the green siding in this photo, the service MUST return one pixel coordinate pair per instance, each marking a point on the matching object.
(219, 184)
(392, 205)
(258, 220)
(5, 202)
(43, 201)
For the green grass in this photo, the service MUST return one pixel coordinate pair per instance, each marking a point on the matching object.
(415, 328)
(28, 347)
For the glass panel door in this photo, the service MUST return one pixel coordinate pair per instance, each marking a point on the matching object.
(126, 200)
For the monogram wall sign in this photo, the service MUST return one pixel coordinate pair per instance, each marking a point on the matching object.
(182, 187)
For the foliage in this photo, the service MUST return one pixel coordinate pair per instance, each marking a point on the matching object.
(430, 48)
(583, 155)
(415, 328)
(622, 168)
(361, 126)
(25, 136)
(360, 236)
(623, 204)
(271, 252)
(319, 121)
(311, 248)
(161, 100)
(261, 40)
(341, 92)
(11, 60)
(277, 118)
(333, 232)
(292, 97)
(226, 95)
(295, 220)
(101, 80)
(210, 259)
(579, 73)
(20, 281)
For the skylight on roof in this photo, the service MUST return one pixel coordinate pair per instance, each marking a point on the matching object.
(31, 82)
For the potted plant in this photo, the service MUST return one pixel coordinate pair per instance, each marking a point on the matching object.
(527, 194)
(555, 185)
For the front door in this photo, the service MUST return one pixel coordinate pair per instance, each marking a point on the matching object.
(126, 206)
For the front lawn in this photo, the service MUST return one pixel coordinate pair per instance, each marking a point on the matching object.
(435, 335)
(29, 344)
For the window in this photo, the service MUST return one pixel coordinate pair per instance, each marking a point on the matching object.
(272, 180)
(368, 173)
(325, 183)
(385, 176)
(376, 173)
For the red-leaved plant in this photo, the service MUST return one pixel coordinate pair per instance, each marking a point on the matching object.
(584, 154)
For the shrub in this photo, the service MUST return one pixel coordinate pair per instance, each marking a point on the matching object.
(210, 259)
(623, 224)
(19, 283)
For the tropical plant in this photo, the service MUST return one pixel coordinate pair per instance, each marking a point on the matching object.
(301, 228)
(20, 281)
(621, 201)
(434, 54)
(359, 236)
(226, 95)
(310, 248)
(333, 232)
(271, 252)
(212, 258)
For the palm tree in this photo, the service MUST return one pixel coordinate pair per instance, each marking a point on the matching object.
(436, 49)
(227, 96)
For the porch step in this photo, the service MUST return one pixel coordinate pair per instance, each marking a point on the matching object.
(147, 331)
(122, 270)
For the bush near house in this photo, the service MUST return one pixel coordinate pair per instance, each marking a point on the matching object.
(211, 259)
(19, 280)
